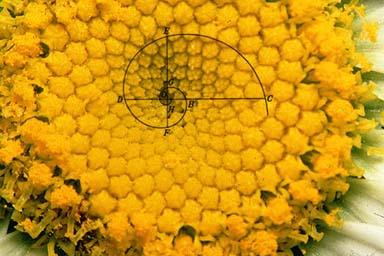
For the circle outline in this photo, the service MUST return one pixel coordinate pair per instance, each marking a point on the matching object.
(184, 95)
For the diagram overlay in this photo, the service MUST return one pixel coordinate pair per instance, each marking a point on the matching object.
(180, 73)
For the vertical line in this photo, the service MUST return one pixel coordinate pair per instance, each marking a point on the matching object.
(166, 76)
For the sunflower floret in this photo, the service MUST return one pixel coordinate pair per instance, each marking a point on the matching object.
(232, 177)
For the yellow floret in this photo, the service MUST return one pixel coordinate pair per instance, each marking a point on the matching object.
(267, 74)
(327, 166)
(89, 93)
(61, 86)
(224, 179)
(252, 206)
(275, 36)
(86, 9)
(227, 16)
(146, 6)
(311, 123)
(97, 158)
(155, 203)
(175, 197)
(229, 201)
(109, 10)
(253, 137)
(212, 222)
(74, 106)
(339, 146)
(248, 7)
(341, 111)
(245, 182)
(268, 178)
(236, 226)
(39, 175)
(282, 90)
(295, 142)
(117, 147)
(191, 211)
(307, 96)
(95, 48)
(116, 166)
(98, 67)
(102, 204)
(332, 76)
(261, 242)
(279, 211)
(10, 149)
(148, 26)
(192, 187)
(303, 11)
(81, 75)
(163, 14)
(101, 138)
(77, 165)
(184, 245)
(209, 198)
(288, 113)
(290, 71)
(48, 142)
(248, 26)
(291, 167)
(272, 151)
(144, 185)
(130, 16)
(269, 56)
(65, 124)
(230, 36)
(163, 181)
(371, 31)
(233, 143)
(130, 204)
(119, 228)
(120, 186)
(303, 191)
(37, 16)
(23, 92)
(292, 50)
(77, 53)
(114, 46)
(136, 167)
(64, 196)
(231, 161)
(120, 31)
(94, 181)
(272, 128)
(272, 15)
(28, 225)
(88, 124)
(37, 70)
(56, 37)
(50, 105)
(65, 12)
(99, 28)
(183, 13)
(169, 221)
(78, 31)
(247, 118)
(251, 159)
(59, 63)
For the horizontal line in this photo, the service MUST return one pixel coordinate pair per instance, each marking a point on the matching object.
(226, 98)
(143, 99)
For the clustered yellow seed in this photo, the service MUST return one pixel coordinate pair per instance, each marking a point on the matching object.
(248, 183)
